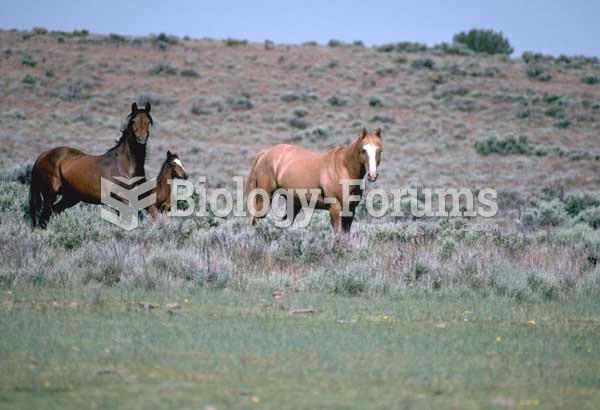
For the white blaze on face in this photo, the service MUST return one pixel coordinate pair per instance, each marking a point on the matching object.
(371, 152)
(178, 162)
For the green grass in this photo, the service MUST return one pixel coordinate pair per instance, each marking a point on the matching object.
(228, 349)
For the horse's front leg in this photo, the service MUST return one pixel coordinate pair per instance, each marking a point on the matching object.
(335, 214)
(348, 219)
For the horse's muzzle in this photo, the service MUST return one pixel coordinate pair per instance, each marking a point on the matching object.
(372, 178)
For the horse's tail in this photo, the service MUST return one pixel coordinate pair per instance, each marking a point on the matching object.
(251, 181)
(35, 197)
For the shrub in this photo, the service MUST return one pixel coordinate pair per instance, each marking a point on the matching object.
(472, 70)
(269, 45)
(554, 111)
(562, 123)
(590, 79)
(117, 39)
(28, 61)
(504, 146)
(465, 104)
(336, 101)
(358, 43)
(300, 112)
(484, 41)
(453, 49)
(375, 101)
(314, 135)
(155, 99)
(351, 281)
(304, 96)
(547, 213)
(383, 71)
(533, 57)
(20, 174)
(80, 33)
(537, 72)
(39, 31)
(422, 63)
(163, 69)
(299, 123)
(232, 42)
(188, 72)
(163, 40)
(403, 46)
(386, 48)
(335, 43)
(410, 47)
(203, 107)
(242, 102)
(590, 216)
(29, 79)
(577, 202)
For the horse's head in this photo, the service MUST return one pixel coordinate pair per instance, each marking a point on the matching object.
(140, 122)
(176, 166)
(370, 152)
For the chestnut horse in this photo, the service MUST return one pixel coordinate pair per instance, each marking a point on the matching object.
(76, 176)
(292, 167)
(172, 168)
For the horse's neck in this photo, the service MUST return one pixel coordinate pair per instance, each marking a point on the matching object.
(351, 160)
(135, 154)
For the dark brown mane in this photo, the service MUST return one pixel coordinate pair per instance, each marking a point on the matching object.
(127, 131)
(138, 150)
(165, 164)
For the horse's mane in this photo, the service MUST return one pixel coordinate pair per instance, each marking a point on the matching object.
(164, 165)
(125, 132)
(338, 148)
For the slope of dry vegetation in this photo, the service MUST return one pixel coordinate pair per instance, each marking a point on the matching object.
(502, 316)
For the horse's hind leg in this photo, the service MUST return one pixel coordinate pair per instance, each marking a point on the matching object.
(335, 211)
(259, 206)
(296, 208)
(65, 202)
(347, 223)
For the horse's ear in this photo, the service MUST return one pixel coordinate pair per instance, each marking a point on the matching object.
(169, 155)
(134, 108)
(363, 133)
(378, 133)
(147, 107)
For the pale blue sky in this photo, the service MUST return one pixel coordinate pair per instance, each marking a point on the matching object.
(554, 27)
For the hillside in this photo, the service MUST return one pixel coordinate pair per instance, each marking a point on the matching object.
(217, 103)
(207, 312)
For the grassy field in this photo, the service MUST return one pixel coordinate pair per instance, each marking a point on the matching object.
(408, 313)
(111, 348)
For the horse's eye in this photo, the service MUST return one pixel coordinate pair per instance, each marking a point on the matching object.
(364, 151)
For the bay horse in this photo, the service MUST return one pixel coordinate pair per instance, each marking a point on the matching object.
(172, 168)
(75, 175)
(291, 167)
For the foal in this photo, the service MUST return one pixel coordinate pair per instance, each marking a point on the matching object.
(292, 167)
(172, 168)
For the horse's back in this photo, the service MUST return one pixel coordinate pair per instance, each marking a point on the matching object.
(56, 155)
(292, 166)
